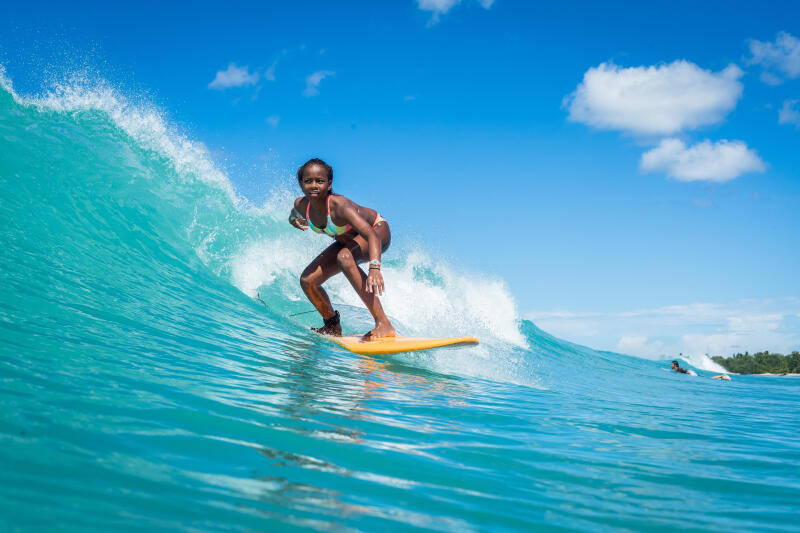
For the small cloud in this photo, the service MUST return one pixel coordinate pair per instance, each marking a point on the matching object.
(269, 74)
(256, 92)
(640, 346)
(273, 120)
(631, 344)
(409, 98)
(233, 76)
(782, 56)
(654, 100)
(770, 79)
(705, 161)
(788, 114)
(752, 322)
(313, 81)
(440, 7)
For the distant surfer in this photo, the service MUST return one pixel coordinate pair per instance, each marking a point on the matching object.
(678, 368)
(360, 235)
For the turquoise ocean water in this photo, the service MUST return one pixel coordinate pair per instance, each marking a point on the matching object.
(143, 387)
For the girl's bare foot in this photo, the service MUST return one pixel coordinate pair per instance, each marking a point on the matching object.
(380, 330)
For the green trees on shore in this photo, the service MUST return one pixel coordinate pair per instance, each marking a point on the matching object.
(760, 363)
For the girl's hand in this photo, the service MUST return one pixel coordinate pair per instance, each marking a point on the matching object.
(375, 281)
(298, 221)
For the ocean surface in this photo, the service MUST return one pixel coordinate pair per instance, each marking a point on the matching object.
(144, 386)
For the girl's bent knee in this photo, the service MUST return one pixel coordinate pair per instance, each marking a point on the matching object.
(306, 282)
(345, 258)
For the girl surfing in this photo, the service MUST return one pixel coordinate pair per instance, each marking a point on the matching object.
(360, 234)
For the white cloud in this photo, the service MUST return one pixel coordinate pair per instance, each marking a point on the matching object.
(635, 344)
(233, 76)
(749, 323)
(627, 342)
(273, 120)
(269, 74)
(788, 114)
(654, 100)
(440, 7)
(695, 329)
(770, 79)
(782, 56)
(704, 161)
(313, 81)
(437, 6)
(639, 345)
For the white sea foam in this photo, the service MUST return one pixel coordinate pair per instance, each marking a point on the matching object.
(141, 121)
(425, 299)
(453, 302)
(271, 261)
(6, 84)
(703, 362)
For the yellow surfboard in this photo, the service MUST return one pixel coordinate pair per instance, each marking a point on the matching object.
(388, 345)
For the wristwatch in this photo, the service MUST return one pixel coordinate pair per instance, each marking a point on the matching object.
(374, 263)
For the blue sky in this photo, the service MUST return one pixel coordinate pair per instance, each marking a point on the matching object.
(607, 160)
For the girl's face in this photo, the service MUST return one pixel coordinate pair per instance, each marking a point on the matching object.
(315, 182)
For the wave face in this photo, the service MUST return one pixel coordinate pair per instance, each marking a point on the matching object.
(141, 382)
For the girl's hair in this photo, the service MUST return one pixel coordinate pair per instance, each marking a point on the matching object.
(316, 161)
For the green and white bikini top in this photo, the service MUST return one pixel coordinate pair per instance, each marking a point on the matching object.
(331, 229)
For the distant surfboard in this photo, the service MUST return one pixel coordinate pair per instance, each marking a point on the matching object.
(387, 345)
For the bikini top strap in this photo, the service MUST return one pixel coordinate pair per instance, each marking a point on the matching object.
(308, 219)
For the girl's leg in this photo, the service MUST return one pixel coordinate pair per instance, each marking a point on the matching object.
(348, 259)
(323, 267)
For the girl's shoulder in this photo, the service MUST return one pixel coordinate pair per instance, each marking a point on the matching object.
(300, 203)
(339, 205)
(338, 201)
